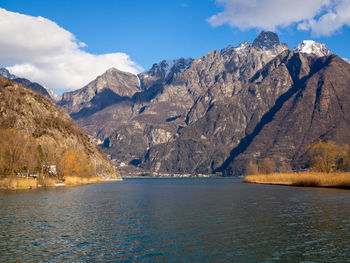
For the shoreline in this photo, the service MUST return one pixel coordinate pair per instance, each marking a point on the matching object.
(305, 179)
(299, 185)
(29, 183)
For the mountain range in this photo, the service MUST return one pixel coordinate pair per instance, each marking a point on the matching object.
(216, 113)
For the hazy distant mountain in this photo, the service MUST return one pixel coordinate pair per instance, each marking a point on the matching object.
(5, 73)
(32, 85)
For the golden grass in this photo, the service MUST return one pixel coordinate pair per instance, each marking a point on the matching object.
(75, 180)
(48, 182)
(18, 183)
(341, 180)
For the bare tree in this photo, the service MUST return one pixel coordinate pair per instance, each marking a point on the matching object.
(324, 156)
(18, 151)
(286, 169)
(252, 168)
(267, 166)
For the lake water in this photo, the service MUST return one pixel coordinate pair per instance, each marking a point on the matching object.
(175, 220)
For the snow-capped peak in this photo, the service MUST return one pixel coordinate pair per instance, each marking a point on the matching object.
(243, 46)
(227, 51)
(166, 67)
(312, 47)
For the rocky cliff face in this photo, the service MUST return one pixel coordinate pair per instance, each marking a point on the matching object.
(163, 71)
(111, 87)
(204, 145)
(31, 112)
(204, 116)
(181, 94)
(314, 108)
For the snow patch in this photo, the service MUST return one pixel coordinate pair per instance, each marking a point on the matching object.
(242, 47)
(166, 67)
(346, 60)
(312, 47)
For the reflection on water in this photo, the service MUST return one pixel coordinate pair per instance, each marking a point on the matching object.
(172, 220)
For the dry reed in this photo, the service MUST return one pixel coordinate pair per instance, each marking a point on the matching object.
(18, 183)
(32, 183)
(48, 182)
(75, 180)
(341, 180)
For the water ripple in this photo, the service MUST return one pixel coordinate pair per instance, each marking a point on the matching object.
(168, 220)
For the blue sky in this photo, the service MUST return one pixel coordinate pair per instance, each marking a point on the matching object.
(149, 31)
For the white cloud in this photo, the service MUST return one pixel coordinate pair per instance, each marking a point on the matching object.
(331, 21)
(38, 49)
(322, 17)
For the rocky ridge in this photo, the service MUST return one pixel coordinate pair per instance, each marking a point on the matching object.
(5, 73)
(31, 85)
(111, 87)
(163, 71)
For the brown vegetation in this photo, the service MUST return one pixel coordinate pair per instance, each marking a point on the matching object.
(75, 180)
(252, 168)
(329, 165)
(13, 182)
(341, 180)
(25, 164)
(52, 132)
(8, 83)
(75, 164)
(328, 157)
(265, 166)
(18, 153)
(284, 169)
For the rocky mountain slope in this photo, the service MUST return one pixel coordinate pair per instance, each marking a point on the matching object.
(205, 115)
(31, 112)
(163, 71)
(112, 87)
(315, 107)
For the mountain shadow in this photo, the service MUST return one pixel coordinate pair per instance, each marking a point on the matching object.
(102, 100)
(294, 68)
